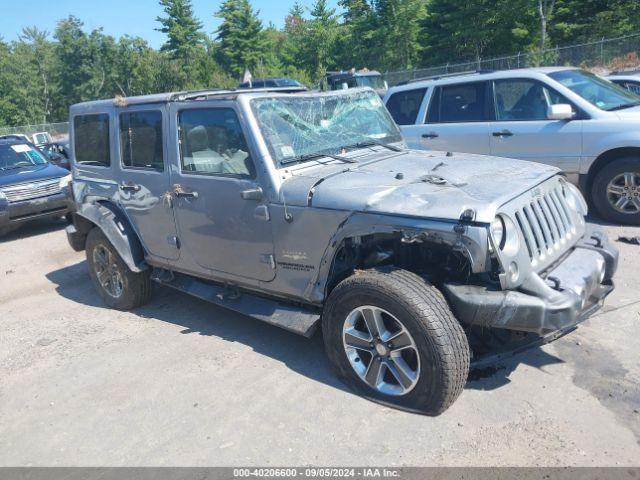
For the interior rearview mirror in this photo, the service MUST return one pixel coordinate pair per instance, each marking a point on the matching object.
(561, 111)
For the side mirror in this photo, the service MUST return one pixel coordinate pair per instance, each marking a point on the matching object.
(561, 111)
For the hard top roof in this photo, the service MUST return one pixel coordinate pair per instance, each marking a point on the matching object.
(182, 96)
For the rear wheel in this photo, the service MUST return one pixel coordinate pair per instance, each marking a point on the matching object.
(119, 287)
(391, 336)
(616, 191)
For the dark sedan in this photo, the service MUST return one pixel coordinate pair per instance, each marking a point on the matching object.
(30, 186)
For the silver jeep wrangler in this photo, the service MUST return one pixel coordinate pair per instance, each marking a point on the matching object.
(301, 209)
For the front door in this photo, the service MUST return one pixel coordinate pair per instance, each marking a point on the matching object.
(222, 219)
(143, 183)
(522, 130)
(456, 120)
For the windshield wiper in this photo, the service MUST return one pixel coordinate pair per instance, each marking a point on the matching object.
(370, 142)
(12, 167)
(622, 107)
(316, 155)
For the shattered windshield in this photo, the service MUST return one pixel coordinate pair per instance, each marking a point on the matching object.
(297, 127)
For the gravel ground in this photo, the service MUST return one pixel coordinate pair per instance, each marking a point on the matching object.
(180, 382)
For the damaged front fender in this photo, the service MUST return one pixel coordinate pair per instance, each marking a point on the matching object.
(470, 240)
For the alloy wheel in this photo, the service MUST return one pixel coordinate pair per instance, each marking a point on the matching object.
(623, 193)
(381, 350)
(107, 271)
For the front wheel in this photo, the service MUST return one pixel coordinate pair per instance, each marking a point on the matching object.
(616, 191)
(119, 287)
(392, 337)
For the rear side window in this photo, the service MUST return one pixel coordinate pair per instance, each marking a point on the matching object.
(459, 103)
(141, 140)
(91, 140)
(404, 106)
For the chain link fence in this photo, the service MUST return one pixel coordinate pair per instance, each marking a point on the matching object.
(602, 56)
(56, 130)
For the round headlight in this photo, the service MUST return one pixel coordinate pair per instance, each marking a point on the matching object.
(498, 233)
(575, 200)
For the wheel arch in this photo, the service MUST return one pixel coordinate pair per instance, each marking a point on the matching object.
(375, 237)
(115, 225)
(586, 181)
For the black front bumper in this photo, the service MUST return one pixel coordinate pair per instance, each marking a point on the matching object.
(13, 213)
(554, 301)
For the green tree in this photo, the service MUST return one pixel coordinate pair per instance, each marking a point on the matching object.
(182, 28)
(399, 27)
(458, 30)
(357, 44)
(240, 41)
(320, 38)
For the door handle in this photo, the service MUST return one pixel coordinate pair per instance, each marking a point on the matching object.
(180, 192)
(430, 135)
(252, 194)
(130, 187)
(503, 133)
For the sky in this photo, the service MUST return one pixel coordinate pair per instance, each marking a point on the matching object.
(120, 17)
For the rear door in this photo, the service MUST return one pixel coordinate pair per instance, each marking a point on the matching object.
(521, 129)
(143, 178)
(457, 119)
(222, 216)
(405, 107)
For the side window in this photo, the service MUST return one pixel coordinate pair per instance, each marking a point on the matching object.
(522, 99)
(141, 140)
(404, 106)
(212, 143)
(633, 87)
(91, 140)
(459, 103)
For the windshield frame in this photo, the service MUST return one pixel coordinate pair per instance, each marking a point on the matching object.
(393, 134)
(628, 99)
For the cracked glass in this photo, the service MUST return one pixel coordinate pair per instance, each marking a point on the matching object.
(296, 127)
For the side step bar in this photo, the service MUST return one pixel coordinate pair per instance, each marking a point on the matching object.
(293, 318)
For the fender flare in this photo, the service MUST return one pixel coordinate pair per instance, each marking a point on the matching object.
(118, 230)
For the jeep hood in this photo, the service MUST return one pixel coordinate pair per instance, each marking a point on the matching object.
(415, 183)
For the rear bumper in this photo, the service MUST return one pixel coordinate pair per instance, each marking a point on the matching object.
(572, 291)
(13, 213)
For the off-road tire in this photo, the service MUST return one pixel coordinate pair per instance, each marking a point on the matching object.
(422, 309)
(599, 190)
(136, 287)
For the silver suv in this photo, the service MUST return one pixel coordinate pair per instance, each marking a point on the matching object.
(572, 119)
(306, 209)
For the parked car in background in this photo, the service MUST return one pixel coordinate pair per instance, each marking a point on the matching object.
(58, 153)
(565, 117)
(629, 80)
(354, 79)
(41, 138)
(30, 186)
(306, 209)
(271, 83)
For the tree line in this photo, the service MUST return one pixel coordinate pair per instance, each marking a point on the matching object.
(42, 73)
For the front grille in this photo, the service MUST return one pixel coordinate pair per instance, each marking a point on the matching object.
(547, 224)
(29, 191)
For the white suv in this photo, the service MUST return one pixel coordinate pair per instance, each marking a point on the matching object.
(566, 117)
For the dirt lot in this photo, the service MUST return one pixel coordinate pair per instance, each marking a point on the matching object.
(180, 382)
